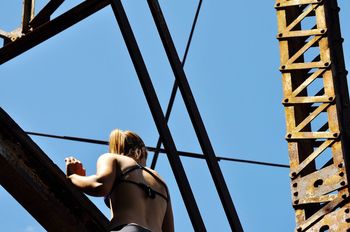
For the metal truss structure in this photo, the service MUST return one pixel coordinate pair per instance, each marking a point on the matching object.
(317, 112)
(316, 105)
(30, 176)
(24, 162)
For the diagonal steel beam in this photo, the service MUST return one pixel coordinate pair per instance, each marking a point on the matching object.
(196, 119)
(158, 116)
(28, 14)
(50, 29)
(175, 87)
(45, 13)
(40, 186)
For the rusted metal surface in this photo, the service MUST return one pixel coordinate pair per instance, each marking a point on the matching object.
(10, 36)
(315, 89)
(28, 14)
(44, 15)
(23, 42)
(40, 186)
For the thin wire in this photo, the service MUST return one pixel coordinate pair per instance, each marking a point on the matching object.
(161, 150)
(175, 86)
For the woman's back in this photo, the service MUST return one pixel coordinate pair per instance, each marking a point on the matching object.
(138, 195)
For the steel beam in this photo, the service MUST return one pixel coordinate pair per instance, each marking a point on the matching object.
(50, 29)
(44, 15)
(317, 121)
(40, 186)
(195, 117)
(27, 14)
(160, 150)
(158, 116)
(340, 73)
(175, 86)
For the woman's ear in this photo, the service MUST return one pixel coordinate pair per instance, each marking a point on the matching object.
(138, 154)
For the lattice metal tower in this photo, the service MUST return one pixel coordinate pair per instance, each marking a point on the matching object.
(317, 120)
(317, 128)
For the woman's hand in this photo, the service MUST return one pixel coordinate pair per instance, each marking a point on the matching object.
(99, 184)
(74, 166)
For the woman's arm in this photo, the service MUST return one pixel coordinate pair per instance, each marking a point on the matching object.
(99, 184)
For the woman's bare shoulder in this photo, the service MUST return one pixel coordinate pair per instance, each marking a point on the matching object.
(106, 159)
(112, 156)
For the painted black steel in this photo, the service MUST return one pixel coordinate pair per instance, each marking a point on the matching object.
(194, 114)
(45, 13)
(160, 150)
(27, 14)
(87, 8)
(72, 138)
(50, 29)
(158, 116)
(175, 86)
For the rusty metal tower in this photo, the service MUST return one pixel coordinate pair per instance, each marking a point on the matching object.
(317, 119)
(317, 128)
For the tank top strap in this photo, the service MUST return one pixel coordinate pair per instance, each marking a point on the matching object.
(130, 169)
(158, 179)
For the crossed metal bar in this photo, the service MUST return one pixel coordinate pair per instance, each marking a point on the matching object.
(159, 150)
(175, 86)
(40, 28)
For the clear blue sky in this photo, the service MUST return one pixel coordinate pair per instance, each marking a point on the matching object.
(82, 83)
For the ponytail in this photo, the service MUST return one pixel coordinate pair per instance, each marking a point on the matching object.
(116, 142)
(127, 143)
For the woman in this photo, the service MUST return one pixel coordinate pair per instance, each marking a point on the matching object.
(137, 196)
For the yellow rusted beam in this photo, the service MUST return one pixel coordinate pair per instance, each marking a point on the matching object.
(317, 132)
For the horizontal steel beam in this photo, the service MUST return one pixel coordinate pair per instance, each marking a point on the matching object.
(50, 29)
(159, 150)
(40, 186)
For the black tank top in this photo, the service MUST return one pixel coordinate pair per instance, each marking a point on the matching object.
(150, 192)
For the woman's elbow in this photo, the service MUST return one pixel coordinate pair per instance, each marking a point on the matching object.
(95, 189)
(100, 188)
(92, 185)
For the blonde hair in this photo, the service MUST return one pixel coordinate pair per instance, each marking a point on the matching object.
(126, 143)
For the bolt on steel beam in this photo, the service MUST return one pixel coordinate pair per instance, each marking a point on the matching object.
(50, 29)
